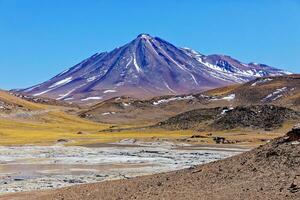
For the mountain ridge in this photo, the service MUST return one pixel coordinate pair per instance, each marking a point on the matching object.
(147, 67)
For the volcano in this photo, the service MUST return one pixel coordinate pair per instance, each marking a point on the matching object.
(147, 67)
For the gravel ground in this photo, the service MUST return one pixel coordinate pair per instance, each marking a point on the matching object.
(269, 172)
(28, 168)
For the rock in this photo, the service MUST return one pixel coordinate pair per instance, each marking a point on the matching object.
(294, 134)
(198, 136)
(294, 188)
(219, 140)
(128, 141)
(81, 132)
(18, 179)
(62, 140)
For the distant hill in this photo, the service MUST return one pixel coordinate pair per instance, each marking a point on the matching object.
(280, 90)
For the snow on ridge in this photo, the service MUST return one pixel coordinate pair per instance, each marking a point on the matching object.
(168, 87)
(182, 67)
(109, 91)
(216, 71)
(61, 82)
(286, 72)
(91, 98)
(229, 97)
(173, 99)
(265, 80)
(43, 92)
(226, 110)
(145, 36)
(138, 68)
(62, 96)
(32, 88)
(120, 84)
(238, 75)
(62, 73)
(276, 94)
(108, 113)
(129, 62)
(126, 104)
(90, 79)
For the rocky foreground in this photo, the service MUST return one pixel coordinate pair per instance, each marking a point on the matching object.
(271, 171)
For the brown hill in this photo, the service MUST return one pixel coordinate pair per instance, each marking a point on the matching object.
(265, 117)
(281, 91)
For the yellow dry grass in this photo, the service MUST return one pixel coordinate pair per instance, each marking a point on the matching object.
(54, 124)
(6, 97)
(64, 126)
(223, 90)
(59, 125)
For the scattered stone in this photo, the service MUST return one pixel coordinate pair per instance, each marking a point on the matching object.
(18, 179)
(62, 140)
(198, 136)
(294, 188)
(219, 140)
(81, 132)
(294, 134)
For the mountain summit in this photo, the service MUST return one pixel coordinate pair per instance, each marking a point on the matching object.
(146, 67)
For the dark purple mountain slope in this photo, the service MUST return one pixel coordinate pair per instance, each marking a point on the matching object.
(146, 67)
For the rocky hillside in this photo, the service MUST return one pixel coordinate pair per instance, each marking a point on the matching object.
(281, 90)
(258, 92)
(265, 117)
(10, 103)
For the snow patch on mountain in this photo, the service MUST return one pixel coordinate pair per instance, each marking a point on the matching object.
(109, 91)
(265, 80)
(63, 96)
(43, 92)
(91, 98)
(137, 67)
(90, 79)
(173, 99)
(108, 113)
(275, 95)
(229, 97)
(61, 82)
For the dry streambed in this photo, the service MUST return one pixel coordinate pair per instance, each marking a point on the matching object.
(26, 168)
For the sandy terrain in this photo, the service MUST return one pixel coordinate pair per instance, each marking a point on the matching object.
(269, 172)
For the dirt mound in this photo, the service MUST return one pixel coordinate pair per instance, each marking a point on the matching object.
(191, 119)
(265, 117)
(271, 171)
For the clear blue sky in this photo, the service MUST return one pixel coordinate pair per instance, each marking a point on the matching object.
(40, 38)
